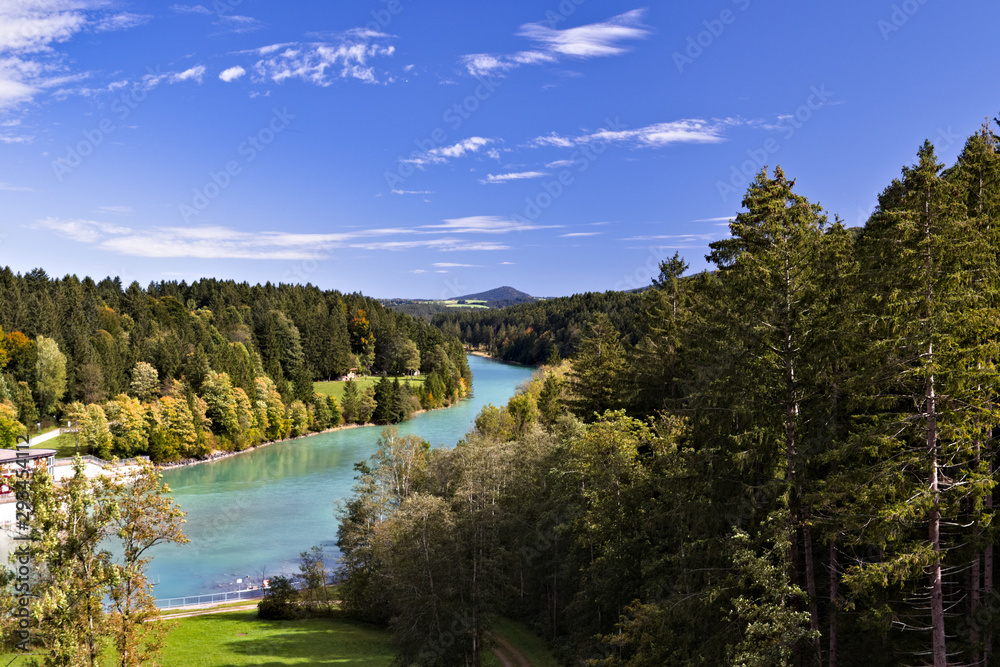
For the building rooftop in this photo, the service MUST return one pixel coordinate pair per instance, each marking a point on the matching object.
(8, 455)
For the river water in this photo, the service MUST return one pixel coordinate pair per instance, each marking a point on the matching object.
(251, 515)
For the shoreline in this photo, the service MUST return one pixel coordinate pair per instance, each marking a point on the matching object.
(218, 456)
(485, 355)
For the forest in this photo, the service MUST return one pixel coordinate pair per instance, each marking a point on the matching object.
(788, 459)
(176, 371)
(541, 331)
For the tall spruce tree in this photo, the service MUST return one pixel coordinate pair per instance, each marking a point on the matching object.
(925, 377)
(768, 282)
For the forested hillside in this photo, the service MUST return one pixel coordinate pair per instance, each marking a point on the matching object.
(176, 370)
(789, 460)
(537, 332)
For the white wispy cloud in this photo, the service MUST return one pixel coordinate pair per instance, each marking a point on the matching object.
(218, 242)
(443, 154)
(84, 231)
(576, 234)
(513, 176)
(191, 9)
(673, 237)
(412, 192)
(486, 224)
(347, 55)
(10, 187)
(196, 73)
(449, 265)
(559, 163)
(234, 23)
(685, 131)
(550, 45)
(232, 73)
(29, 33)
(15, 138)
(722, 219)
(116, 210)
(122, 21)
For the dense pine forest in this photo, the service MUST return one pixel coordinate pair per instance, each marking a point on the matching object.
(542, 331)
(786, 460)
(176, 370)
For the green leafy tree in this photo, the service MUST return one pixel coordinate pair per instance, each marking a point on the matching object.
(10, 428)
(127, 421)
(144, 516)
(314, 576)
(145, 383)
(278, 603)
(50, 374)
(220, 395)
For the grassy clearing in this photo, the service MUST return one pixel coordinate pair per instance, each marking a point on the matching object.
(240, 638)
(65, 445)
(336, 388)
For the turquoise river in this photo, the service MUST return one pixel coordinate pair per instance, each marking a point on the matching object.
(251, 515)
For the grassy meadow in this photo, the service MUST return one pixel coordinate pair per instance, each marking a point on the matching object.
(336, 388)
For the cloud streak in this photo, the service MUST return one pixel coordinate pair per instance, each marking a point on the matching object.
(549, 45)
(515, 176)
(29, 33)
(346, 55)
(443, 154)
(219, 242)
(658, 135)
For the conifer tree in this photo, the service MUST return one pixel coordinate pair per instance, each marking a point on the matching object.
(928, 358)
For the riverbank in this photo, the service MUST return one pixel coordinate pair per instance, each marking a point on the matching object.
(484, 355)
(218, 455)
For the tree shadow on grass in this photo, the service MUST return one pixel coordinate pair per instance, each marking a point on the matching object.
(323, 641)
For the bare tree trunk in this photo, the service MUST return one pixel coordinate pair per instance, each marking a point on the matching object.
(988, 574)
(939, 649)
(834, 580)
(811, 589)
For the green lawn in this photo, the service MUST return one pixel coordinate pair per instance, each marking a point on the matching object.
(239, 638)
(336, 389)
(65, 445)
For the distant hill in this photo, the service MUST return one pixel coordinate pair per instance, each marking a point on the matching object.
(499, 297)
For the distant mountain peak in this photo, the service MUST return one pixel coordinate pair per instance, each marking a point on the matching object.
(506, 295)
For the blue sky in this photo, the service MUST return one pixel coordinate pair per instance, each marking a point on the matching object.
(416, 149)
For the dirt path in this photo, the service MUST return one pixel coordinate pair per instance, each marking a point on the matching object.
(508, 654)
